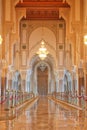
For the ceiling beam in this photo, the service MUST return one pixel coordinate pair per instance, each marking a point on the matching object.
(43, 4)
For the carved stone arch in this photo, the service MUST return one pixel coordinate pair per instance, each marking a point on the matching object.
(35, 58)
(49, 61)
(51, 26)
(32, 60)
(35, 44)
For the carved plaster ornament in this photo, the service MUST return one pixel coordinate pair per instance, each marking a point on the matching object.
(42, 66)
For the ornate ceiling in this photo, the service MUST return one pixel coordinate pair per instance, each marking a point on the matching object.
(42, 9)
(42, 0)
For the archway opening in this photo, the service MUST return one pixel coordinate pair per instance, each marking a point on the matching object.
(42, 80)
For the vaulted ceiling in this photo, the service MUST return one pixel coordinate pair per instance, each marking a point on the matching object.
(42, 9)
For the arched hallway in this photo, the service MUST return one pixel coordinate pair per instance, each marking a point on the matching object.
(43, 55)
(45, 114)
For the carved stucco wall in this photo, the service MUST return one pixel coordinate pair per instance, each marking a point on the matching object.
(32, 32)
(34, 41)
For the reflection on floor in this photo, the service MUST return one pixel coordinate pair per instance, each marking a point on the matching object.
(47, 115)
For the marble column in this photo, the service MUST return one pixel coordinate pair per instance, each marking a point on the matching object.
(57, 81)
(0, 81)
(85, 32)
(81, 85)
(3, 82)
(86, 85)
(81, 80)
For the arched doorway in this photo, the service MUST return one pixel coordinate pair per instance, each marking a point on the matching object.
(42, 80)
(40, 68)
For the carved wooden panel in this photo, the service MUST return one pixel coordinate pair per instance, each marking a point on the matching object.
(42, 14)
(42, 9)
(43, 4)
(42, 0)
(42, 78)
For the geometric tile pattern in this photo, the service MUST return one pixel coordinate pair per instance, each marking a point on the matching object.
(45, 114)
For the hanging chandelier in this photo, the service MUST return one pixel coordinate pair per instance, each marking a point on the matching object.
(85, 39)
(42, 53)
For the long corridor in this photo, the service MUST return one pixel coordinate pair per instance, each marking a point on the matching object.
(44, 114)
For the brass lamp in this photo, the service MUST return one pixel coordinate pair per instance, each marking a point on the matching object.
(0, 39)
(85, 39)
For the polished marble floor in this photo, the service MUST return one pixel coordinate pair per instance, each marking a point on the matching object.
(44, 114)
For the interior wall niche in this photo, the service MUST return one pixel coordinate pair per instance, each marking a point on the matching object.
(42, 80)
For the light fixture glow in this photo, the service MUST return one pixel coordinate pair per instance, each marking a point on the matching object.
(0, 39)
(85, 39)
(42, 53)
